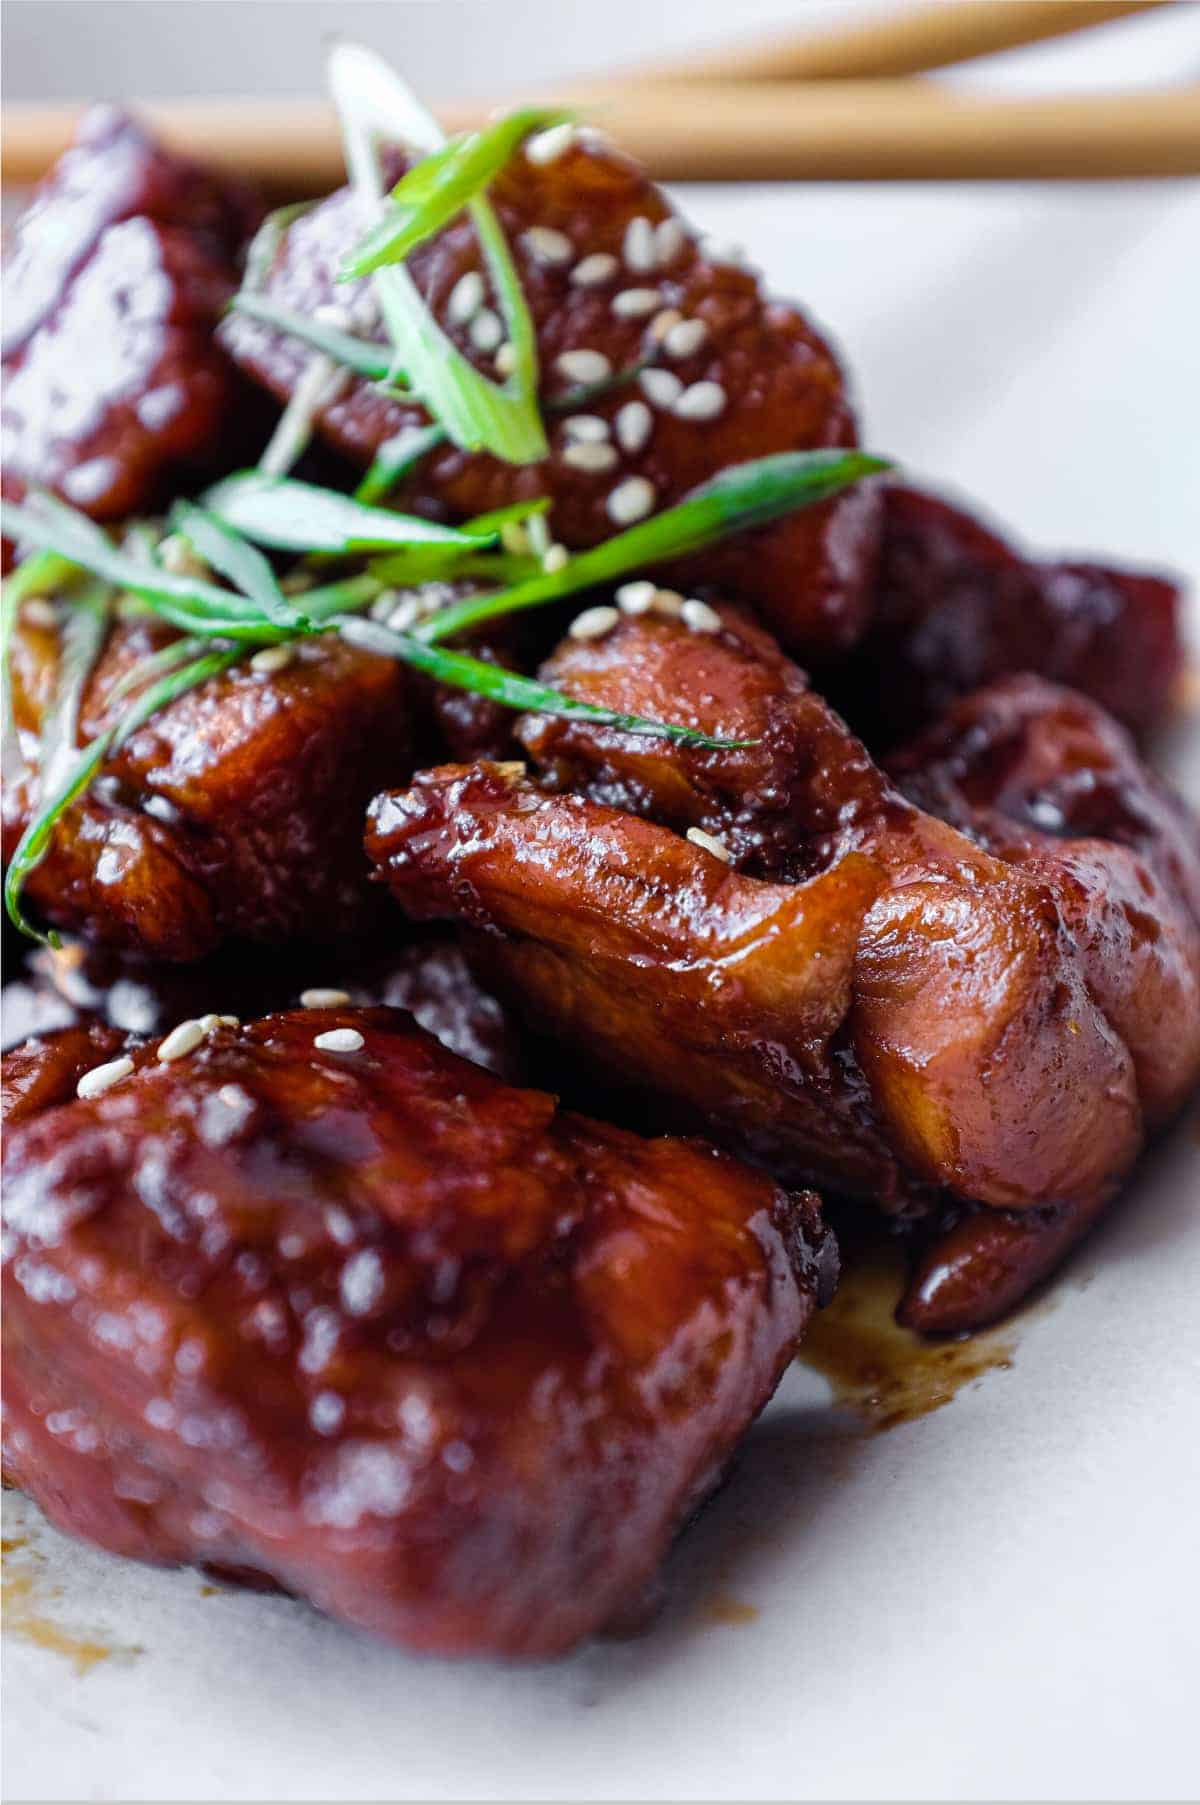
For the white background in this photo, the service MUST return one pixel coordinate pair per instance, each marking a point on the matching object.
(998, 1601)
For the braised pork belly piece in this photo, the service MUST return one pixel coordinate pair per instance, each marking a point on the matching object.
(235, 811)
(114, 387)
(316, 1300)
(957, 607)
(895, 1004)
(611, 278)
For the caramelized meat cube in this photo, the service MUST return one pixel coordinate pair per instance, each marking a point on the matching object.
(114, 386)
(1002, 1021)
(448, 1362)
(956, 607)
(236, 811)
(770, 383)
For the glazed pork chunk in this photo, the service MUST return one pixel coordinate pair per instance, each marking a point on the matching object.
(612, 278)
(234, 812)
(957, 607)
(318, 1301)
(114, 387)
(904, 1005)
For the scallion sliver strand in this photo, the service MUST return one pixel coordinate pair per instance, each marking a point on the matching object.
(35, 841)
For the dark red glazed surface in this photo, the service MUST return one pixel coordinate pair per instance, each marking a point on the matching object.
(450, 1363)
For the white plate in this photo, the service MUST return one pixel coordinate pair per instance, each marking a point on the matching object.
(996, 1601)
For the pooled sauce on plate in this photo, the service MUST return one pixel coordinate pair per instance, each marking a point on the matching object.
(881, 1371)
(26, 1593)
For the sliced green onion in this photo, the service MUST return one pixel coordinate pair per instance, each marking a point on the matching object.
(84, 630)
(478, 415)
(395, 458)
(188, 601)
(156, 664)
(363, 355)
(437, 189)
(744, 496)
(296, 516)
(35, 841)
(238, 561)
(42, 571)
(263, 247)
(492, 681)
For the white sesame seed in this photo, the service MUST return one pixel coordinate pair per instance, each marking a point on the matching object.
(38, 612)
(339, 1040)
(180, 1041)
(710, 843)
(634, 425)
(684, 338)
(669, 239)
(323, 999)
(555, 557)
(593, 623)
(514, 537)
(176, 555)
(466, 298)
(231, 1096)
(662, 387)
(664, 322)
(405, 614)
(486, 332)
(639, 248)
(511, 767)
(668, 603)
(700, 617)
(637, 597)
(594, 270)
(210, 1022)
(102, 1077)
(548, 146)
(636, 303)
(230, 1021)
(546, 245)
(590, 457)
(631, 500)
(583, 366)
(297, 581)
(330, 314)
(715, 250)
(272, 658)
(702, 401)
(590, 429)
(506, 360)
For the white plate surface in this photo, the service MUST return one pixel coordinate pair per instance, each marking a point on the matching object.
(996, 1601)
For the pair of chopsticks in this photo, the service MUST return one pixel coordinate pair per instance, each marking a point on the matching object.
(840, 105)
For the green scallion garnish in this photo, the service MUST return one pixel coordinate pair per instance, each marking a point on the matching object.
(35, 841)
(436, 190)
(746, 495)
(460, 671)
(294, 516)
(478, 415)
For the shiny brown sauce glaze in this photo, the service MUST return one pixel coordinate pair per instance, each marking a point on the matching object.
(1002, 1022)
(450, 1363)
(956, 608)
(783, 390)
(236, 811)
(877, 1366)
(115, 390)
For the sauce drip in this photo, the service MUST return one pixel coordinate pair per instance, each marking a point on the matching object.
(884, 1373)
(24, 1596)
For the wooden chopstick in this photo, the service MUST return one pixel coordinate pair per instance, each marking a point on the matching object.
(902, 41)
(764, 131)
